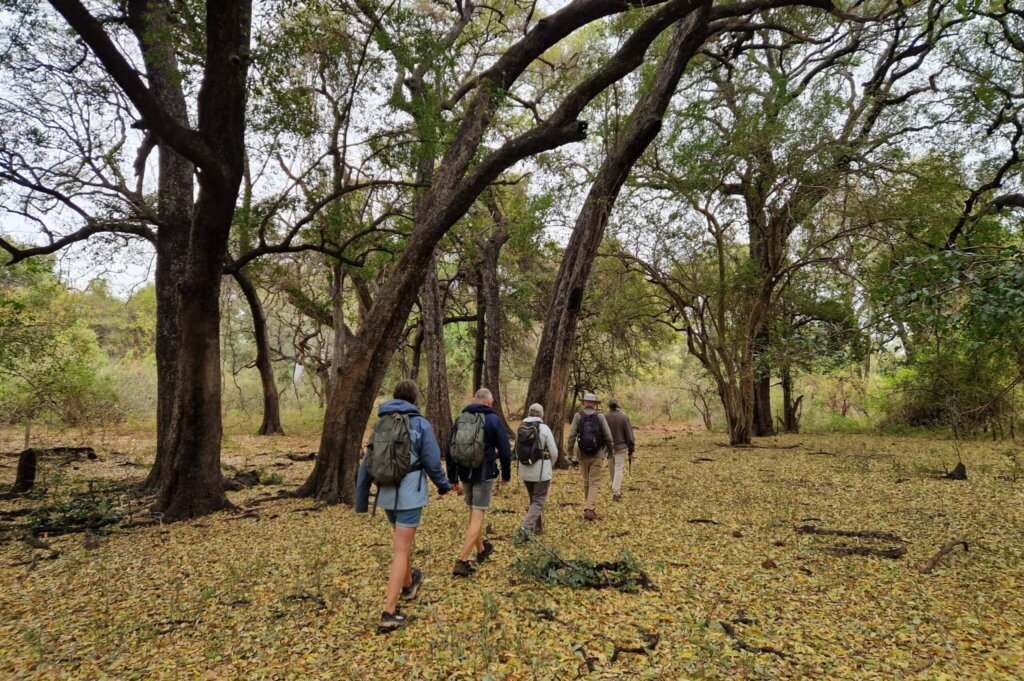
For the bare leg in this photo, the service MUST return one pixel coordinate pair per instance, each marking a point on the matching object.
(474, 534)
(401, 565)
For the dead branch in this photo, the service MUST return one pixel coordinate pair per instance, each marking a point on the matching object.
(933, 562)
(892, 553)
(740, 644)
(862, 534)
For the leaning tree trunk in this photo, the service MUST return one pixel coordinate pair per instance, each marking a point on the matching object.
(439, 410)
(491, 248)
(271, 397)
(550, 377)
(454, 188)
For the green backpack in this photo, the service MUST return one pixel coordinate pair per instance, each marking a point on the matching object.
(468, 448)
(390, 456)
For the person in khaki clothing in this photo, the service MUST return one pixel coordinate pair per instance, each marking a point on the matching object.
(623, 444)
(591, 434)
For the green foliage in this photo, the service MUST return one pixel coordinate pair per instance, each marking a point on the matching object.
(546, 565)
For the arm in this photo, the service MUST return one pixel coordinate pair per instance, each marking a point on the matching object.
(504, 451)
(430, 457)
(630, 442)
(607, 432)
(362, 501)
(550, 446)
(453, 470)
(571, 444)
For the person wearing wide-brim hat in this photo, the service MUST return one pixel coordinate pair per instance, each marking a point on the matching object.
(591, 434)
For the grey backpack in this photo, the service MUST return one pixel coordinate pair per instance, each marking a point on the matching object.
(468, 448)
(390, 456)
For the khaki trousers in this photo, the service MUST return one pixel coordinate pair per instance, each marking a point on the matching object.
(620, 466)
(592, 468)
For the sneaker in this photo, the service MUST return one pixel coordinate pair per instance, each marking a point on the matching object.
(589, 514)
(389, 621)
(409, 592)
(486, 553)
(616, 497)
(463, 569)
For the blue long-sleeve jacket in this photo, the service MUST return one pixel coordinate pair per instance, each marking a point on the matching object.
(495, 444)
(426, 462)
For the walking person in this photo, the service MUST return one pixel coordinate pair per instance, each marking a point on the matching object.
(402, 452)
(591, 433)
(623, 444)
(478, 443)
(537, 453)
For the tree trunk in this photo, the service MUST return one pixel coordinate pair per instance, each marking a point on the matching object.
(25, 477)
(550, 377)
(481, 334)
(491, 248)
(439, 410)
(175, 188)
(271, 397)
(790, 407)
(763, 426)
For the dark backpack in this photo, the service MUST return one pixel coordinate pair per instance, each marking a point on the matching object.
(590, 435)
(467, 447)
(390, 456)
(529, 445)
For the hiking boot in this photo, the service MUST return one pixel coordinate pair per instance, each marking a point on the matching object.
(486, 553)
(389, 621)
(616, 497)
(589, 514)
(409, 592)
(463, 569)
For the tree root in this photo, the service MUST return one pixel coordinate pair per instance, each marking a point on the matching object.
(933, 562)
(862, 534)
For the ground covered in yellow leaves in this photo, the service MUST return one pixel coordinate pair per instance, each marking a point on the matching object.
(285, 591)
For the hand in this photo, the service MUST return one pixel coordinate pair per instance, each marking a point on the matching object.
(631, 458)
(457, 488)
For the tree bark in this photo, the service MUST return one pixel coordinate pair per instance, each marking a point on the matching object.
(763, 426)
(481, 334)
(439, 410)
(271, 424)
(790, 406)
(491, 250)
(550, 377)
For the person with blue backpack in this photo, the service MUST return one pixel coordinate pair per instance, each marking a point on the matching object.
(591, 434)
(403, 451)
(478, 443)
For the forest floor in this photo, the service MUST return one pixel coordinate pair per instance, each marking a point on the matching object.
(281, 590)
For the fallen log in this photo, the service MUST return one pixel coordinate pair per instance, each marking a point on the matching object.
(933, 562)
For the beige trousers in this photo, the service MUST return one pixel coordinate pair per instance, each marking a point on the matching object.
(592, 468)
(620, 466)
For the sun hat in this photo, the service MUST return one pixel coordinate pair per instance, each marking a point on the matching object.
(590, 397)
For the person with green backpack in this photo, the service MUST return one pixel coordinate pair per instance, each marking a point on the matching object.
(403, 451)
(478, 442)
(537, 453)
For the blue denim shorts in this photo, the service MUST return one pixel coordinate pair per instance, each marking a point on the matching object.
(406, 518)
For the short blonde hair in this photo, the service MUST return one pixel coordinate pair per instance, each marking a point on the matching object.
(537, 410)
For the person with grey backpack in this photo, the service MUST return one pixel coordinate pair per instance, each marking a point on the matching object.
(402, 453)
(478, 442)
(537, 453)
(590, 432)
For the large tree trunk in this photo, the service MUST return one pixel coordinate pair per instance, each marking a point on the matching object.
(763, 426)
(550, 377)
(439, 410)
(175, 190)
(491, 248)
(271, 397)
